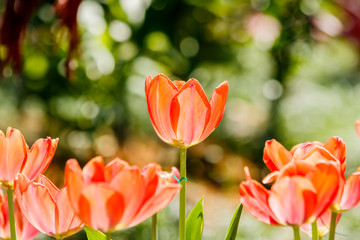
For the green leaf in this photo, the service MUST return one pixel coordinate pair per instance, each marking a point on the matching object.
(232, 230)
(195, 222)
(94, 235)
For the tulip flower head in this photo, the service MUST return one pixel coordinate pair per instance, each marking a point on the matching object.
(24, 230)
(46, 207)
(276, 156)
(15, 156)
(301, 193)
(180, 112)
(117, 196)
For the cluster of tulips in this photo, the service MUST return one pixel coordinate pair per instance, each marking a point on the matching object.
(309, 190)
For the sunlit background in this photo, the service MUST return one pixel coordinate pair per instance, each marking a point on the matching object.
(292, 67)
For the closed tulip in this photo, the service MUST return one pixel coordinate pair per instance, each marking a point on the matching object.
(117, 196)
(46, 207)
(180, 112)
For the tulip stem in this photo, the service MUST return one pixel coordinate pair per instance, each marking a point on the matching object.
(10, 193)
(154, 227)
(332, 225)
(314, 231)
(182, 226)
(296, 232)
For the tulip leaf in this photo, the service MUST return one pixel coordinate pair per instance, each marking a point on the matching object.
(94, 235)
(232, 230)
(195, 222)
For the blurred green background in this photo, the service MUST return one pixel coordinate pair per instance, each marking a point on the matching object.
(292, 67)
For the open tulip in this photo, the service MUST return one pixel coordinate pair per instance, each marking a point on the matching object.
(24, 230)
(180, 112)
(16, 158)
(276, 156)
(117, 196)
(301, 193)
(46, 207)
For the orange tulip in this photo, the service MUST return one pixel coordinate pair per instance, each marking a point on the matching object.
(180, 112)
(24, 230)
(117, 196)
(276, 156)
(301, 193)
(46, 207)
(15, 156)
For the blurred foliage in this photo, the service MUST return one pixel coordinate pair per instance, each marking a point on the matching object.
(292, 66)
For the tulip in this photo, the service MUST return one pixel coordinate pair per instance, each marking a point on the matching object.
(276, 156)
(117, 196)
(182, 116)
(16, 158)
(180, 112)
(24, 231)
(46, 207)
(301, 193)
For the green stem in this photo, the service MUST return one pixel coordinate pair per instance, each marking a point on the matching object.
(320, 237)
(154, 227)
(182, 227)
(315, 232)
(10, 193)
(296, 232)
(332, 225)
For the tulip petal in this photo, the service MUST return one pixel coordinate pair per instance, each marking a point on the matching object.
(293, 200)
(13, 155)
(254, 197)
(94, 171)
(152, 179)
(100, 207)
(113, 168)
(336, 147)
(179, 84)
(159, 93)
(39, 157)
(67, 222)
(351, 194)
(325, 179)
(53, 190)
(130, 183)
(217, 103)
(37, 205)
(74, 182)
(190, 112)
(157, 202)
(275, 155)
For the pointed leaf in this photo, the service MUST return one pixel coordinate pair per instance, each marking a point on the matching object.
(94, 235)
(232, 230)
(195, 222)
